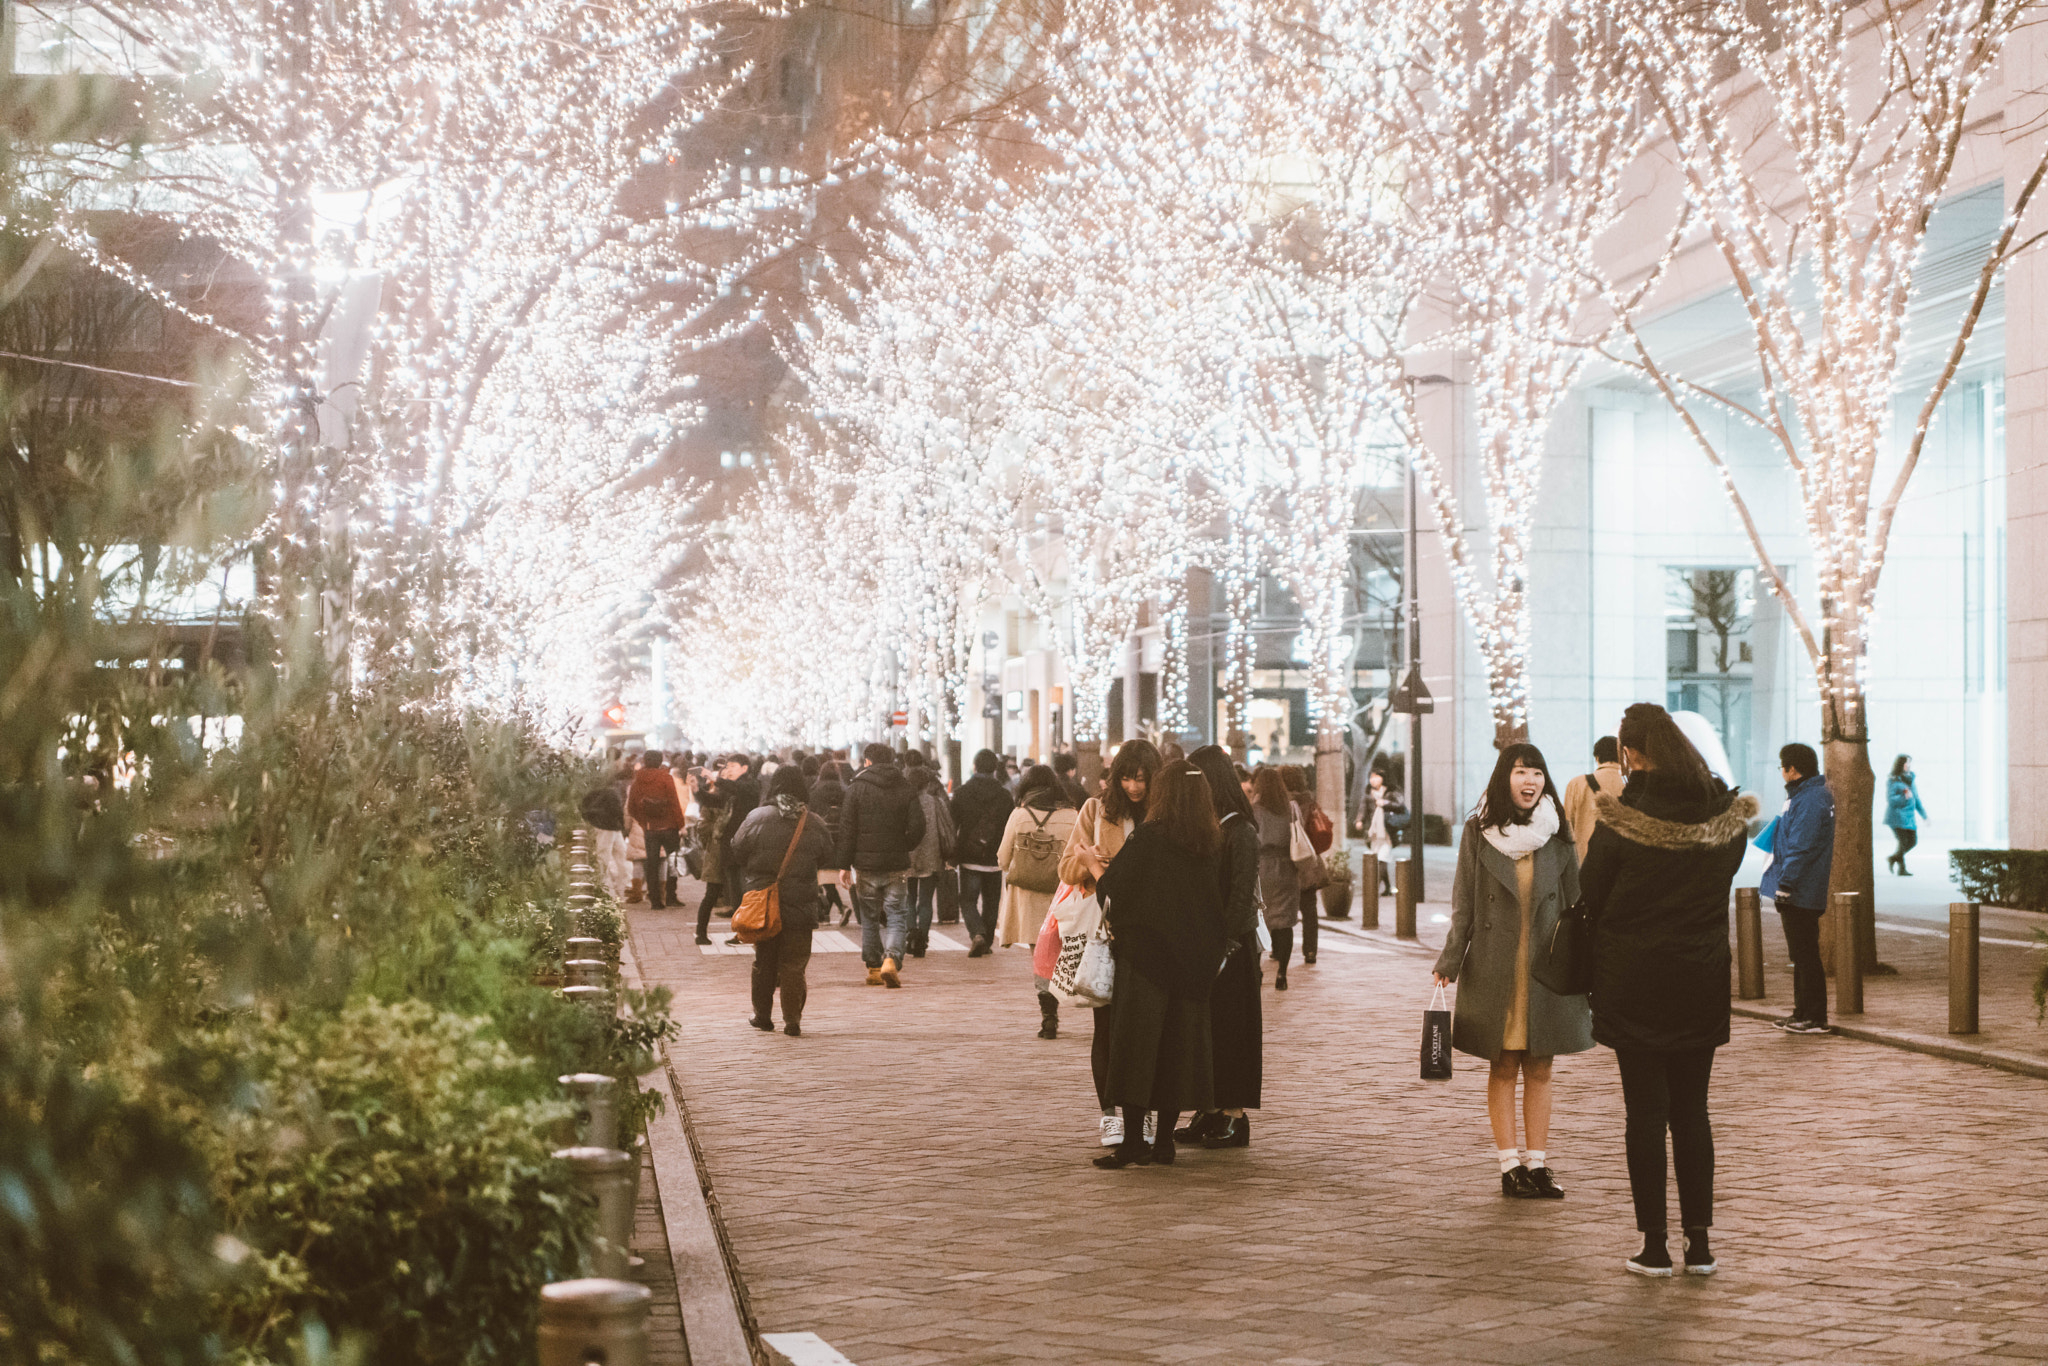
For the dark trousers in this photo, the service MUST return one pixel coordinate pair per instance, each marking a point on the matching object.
(1660, 1091)
(1907, 839)
(924, 898)
(660, 844)
(1809, 974)
(1098, 1053)
(780, 962)
(1283, 945)
(1310, 904)
(981, 895)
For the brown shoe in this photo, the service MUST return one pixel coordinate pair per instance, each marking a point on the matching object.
(891, 973)
(874, 977)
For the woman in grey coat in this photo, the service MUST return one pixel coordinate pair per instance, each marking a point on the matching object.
(1518, 871)
(1279, 885)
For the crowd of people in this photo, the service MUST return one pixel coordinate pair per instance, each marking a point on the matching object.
(1200, 871)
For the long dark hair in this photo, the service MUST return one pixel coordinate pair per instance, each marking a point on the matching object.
(1648, 729)
(1133, 758)
(1899, 765)
(1497, 808)
(1179, 804)
(1039, 779)
(1269, 790)
(1224, 788)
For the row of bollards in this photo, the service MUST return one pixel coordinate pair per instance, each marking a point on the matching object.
(1963, 927)
(600, 1320)
(1404, 896)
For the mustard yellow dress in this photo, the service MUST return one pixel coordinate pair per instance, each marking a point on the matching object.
(1516, 1033)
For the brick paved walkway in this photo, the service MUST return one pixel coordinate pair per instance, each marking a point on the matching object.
(910, 1180)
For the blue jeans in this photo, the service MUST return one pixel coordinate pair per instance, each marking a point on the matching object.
(882, 901)
(981, 897)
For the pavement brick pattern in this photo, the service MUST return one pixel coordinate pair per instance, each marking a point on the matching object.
(910, 1180)
(665, 1344)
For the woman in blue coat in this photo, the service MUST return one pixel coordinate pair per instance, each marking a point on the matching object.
(1902, 812)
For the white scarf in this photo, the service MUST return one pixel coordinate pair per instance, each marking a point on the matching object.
(1518, 840)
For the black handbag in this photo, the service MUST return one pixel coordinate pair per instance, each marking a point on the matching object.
(1564, 963)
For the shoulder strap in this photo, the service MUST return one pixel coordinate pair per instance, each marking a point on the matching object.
(1041, 820)
(1593, 781)
(794, 840)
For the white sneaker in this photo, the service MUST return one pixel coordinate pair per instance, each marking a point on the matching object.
(1112, 1130)
(1151, 1126)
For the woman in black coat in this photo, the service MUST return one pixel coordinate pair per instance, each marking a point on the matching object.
(828, 794)
(1236, 1028)
(1163, 902)
(1655, 884)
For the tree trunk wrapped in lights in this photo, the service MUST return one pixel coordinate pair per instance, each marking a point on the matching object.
(1817, 182)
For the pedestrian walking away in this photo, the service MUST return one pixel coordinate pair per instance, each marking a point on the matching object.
(1517, 874)
(828, 792)
(1656, 886)
(1236, 1029)
(1802, 853)
(880, 823)
(1104, 824)
(933, 854)
(1580, 793)
(1279, 886)
(1163, 900)
(981, 812)
(1029, 855)
(1322, 833)
(783, 839)
(1902, 812)
(655, 804)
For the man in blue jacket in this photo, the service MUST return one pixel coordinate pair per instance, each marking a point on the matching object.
(1802, 851)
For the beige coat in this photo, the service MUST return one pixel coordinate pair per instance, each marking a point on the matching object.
(1090, 827)
(1579, 798)
(1022, 913)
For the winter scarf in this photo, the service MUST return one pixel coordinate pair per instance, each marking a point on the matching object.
(1518, 840)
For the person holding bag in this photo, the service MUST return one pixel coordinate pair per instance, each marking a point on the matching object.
(1517, 874)
(1656, 882)
(1311, 838)
(1103, 826)
(1163, 900)
(1236, 1030)
(1029, 856)
(780, 845)
(1279, 881)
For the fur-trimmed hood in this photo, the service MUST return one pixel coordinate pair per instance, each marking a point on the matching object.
(1639, 827)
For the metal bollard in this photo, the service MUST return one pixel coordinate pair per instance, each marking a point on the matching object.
(588, 972)
(596, 1098)
(1404, 899)
(1749, 944)
(594, 1322)
(1848, 957)
(609, 1177)
(1369, 895)
(583, 946)
(1962, 967)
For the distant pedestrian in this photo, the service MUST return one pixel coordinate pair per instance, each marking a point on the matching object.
(765, 839)
(1381, 807)
(880, 823)
(981, 812)
(1164, 904)
(1099, 833)
(1321, 832)
(1580, 792)
(1279, 886)
(1236, 1029)
(1656, 888)
(1066, 768)
(711, 813)
(828, 793)
(739, 792)
(928, 861)
(1517, 874)
(1902, 812)
(1802, 854)
(654, 803)
(1029, 855)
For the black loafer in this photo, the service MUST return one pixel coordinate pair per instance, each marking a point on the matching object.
(1545, 1184)
(1163, 1151)
(1201, 1128)
(1126, 1155)
(1235, 1133)
(1516, 1184)
(768, 1025)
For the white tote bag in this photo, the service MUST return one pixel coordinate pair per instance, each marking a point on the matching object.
(1095, 976)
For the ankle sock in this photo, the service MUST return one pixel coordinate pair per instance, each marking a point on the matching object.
(1510, 1159)
(1534, 1159)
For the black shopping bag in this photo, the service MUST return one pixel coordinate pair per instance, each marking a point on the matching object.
(1436, 1039)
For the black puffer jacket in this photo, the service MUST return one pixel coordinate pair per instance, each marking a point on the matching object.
(740, 795)
(760, 846)
(981, 808)
(880, 822)
(827, 796)
(1655, 884)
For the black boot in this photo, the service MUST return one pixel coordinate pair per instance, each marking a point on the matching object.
(1049, 1015)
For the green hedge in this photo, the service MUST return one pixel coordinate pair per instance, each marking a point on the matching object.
(2003, 877)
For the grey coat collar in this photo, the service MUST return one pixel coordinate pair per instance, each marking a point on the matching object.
(1503, 868)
